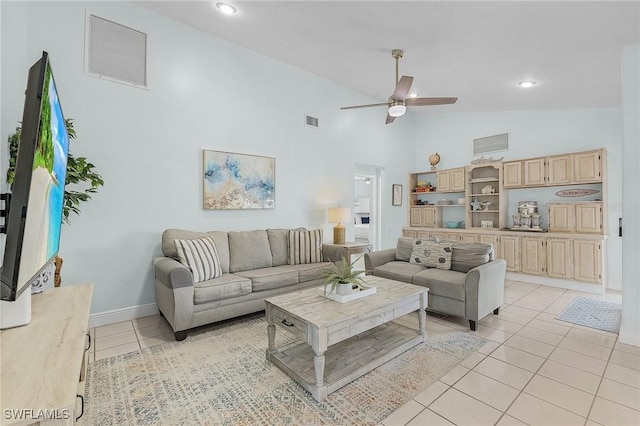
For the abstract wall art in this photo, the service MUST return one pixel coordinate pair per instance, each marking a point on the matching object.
(234, 181)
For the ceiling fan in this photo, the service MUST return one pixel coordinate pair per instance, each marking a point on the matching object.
(398, 102)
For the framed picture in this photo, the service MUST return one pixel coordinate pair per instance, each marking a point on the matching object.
(396, 191)
(238, 181)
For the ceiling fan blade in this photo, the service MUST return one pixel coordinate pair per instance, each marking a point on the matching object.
(429, 101)
(389, 119)
(365, 106)
(402, 88)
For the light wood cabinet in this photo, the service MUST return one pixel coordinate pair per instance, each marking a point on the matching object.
(423, 216)
(468, 238)
(423, 234)
(452, 180)
(512, 173)
(589, 218)
(559, 258)
(561, 217)
(560, 170)
(534, 172)
(533, 255)
(587, 255)
(588, 166)
(510, 251)
(409, 233)
(479, 177)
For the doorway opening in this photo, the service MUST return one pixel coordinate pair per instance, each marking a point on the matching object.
(367, 210)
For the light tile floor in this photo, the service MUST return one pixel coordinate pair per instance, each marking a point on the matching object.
(533, 369)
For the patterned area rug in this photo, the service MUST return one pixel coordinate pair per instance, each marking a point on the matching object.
(222, 377)
(594, 314)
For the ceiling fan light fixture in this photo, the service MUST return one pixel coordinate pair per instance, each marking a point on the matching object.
(413, 95)
(527, 84)
(227, 9)
(397, 109)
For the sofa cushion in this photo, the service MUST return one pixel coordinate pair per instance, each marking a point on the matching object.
(431, 254)
(249, 250)
(398, 270)
(404, 248)
(170, 236)
(311, 271)
(467, 256)
(272, 277)
(201, 257)
(224, 287)
(279, 244)
(442, 283)
(305, 246)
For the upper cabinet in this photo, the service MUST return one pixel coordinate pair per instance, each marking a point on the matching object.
(556, 170)
(451, 180)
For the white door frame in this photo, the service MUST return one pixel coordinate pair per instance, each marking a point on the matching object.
(375, 215)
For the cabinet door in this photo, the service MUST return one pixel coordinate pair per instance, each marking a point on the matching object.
(415, 216)
(439, 235)
(532, 258)
(560, 170)
(587, 257)
(469, 238)
(423, 234)
(493, 240)
(561, 217)
(587, 167)
(443, 184)
(510, 251)
(534, 172)
(559, 258)
(589, 218)
(457, 179)
(409, 234)
(429, 217)
(512, 173)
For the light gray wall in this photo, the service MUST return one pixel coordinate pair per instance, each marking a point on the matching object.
(630, 327)
(533, 134)
(204, 93)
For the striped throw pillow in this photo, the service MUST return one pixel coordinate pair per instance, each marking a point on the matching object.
(305, 246)
(201, 257)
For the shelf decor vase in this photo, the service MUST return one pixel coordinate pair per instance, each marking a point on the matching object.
(343, 289)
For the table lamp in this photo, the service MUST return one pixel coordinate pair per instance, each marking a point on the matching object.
(339, 215)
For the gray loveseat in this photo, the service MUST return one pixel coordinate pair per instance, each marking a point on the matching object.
(254, 265)
(471, 289)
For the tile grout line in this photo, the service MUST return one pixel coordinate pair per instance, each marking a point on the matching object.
(600, 382)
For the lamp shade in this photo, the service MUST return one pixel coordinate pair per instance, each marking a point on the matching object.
(339, 214)
(397, 110)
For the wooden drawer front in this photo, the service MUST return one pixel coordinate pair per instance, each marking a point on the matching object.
(409, 234)
(294, 325)
(423, 234)
(370, 322)
(404, 309)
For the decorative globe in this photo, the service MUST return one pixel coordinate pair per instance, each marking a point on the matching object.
(433, 160)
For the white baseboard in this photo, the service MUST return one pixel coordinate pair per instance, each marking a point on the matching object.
(125, 314)
(629, 336)
(555, 282)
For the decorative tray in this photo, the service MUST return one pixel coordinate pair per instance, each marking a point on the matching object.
(346, 298)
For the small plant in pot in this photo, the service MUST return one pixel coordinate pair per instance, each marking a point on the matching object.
(341, 277)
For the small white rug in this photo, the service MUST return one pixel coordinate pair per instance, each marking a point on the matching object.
(593, 313)
(221, 377)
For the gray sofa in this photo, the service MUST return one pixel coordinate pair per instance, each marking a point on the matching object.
(254, 265)
(471, 289)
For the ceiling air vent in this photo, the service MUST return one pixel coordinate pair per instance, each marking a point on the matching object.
(491, 144)
(115, 52)
(310, 121)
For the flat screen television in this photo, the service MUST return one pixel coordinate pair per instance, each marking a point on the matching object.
(37, 195)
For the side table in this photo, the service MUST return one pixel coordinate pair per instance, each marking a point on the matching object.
(336, 251)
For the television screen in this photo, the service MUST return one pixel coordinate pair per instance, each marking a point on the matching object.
(35, 215)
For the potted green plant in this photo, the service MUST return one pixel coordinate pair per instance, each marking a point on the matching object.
(82, 180)
(341, 277)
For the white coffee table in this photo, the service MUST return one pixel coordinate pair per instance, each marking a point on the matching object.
(339, 342)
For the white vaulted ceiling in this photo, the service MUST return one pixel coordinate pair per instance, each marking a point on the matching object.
(477, 51)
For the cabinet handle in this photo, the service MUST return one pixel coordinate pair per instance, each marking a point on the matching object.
(88, 347)
(81, 406)
(287, 323)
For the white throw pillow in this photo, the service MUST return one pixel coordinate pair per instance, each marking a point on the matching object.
(201, 257)
(431, 254)
(305, 246)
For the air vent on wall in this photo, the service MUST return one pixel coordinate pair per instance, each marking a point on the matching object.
(491, 144)
(311, 121)
(115, 52)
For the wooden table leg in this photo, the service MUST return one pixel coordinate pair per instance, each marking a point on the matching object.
(271, 331)
(422, 316)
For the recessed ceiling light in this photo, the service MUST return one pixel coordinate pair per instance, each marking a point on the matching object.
(413, 95)
(227, 9)
(527, 84)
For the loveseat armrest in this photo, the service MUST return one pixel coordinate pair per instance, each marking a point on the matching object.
(172, 273)
(484, 289)
(332, 253)
(378, 258)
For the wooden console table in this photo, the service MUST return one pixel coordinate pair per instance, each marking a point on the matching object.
(43, 362)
